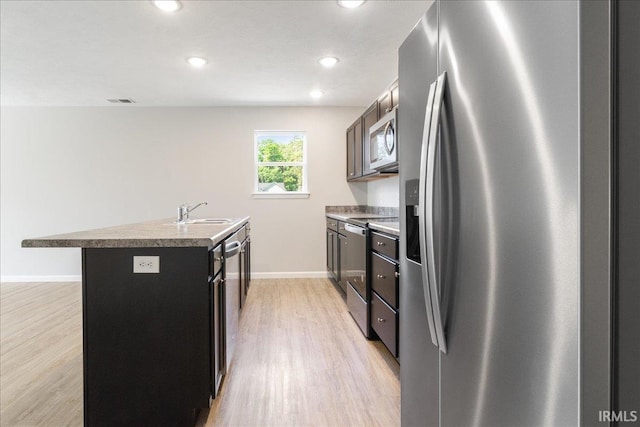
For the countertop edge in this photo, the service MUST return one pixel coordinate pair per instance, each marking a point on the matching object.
(372, 224)
(375, 226)
(62, 242)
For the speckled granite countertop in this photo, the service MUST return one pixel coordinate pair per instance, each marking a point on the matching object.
(384, 219)
(343, 216)
(389, 227)
(156, 233)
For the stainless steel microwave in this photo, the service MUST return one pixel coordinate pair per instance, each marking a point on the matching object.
(383, 143)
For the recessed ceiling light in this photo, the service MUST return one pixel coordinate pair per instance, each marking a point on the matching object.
(328, 61)
(351, 4)
(197, 62)
(168, 6)
(316, 94)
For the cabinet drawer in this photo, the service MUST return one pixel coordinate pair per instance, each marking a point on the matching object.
(215, 261)
(385, 245)
(332, 224)
(384, 321)
(384, 280)
(358, 309)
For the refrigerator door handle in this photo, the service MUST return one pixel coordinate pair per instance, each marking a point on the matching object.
(429, 210)
(422, 213)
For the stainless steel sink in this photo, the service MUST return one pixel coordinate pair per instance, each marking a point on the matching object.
(211, 221)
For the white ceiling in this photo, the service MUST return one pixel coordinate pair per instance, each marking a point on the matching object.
(80, 53)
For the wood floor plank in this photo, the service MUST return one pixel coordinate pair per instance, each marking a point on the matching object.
(300, 360)
(41, 354)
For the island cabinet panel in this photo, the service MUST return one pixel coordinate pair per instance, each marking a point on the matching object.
(146, 337)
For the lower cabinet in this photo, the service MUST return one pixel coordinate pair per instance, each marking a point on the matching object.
(333, 266)
(384, 320)
(385, 273)
(146, 337)
(157, 346)
(342, 262)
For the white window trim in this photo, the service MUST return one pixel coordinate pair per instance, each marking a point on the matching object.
(289, 195)
(304, 194)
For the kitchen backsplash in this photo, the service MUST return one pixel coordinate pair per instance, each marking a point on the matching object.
(378, 210)
(384, 192)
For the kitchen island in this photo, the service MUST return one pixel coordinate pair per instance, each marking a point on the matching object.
(159, 316)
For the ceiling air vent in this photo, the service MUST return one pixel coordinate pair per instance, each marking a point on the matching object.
(121, 101)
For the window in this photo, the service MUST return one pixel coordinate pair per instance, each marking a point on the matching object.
(281, 164)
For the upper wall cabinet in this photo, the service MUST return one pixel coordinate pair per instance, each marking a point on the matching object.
(369, 118)
(358, 143)
(388, 100)
(354, 150)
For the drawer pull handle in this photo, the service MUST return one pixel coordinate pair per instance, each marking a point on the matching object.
(380, 243)
(219, 259)
(381, 320)
(397, 274)
(381, 276)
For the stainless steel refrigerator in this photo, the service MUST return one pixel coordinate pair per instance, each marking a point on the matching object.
(516, 310)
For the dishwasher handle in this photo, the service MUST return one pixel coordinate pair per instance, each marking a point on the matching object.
(355, 229)
(232, 249)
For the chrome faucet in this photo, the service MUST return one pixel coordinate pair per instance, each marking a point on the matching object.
(185, 210)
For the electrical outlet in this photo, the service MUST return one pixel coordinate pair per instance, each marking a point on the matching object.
(146, 264)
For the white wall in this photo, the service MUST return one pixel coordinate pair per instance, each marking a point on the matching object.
(384, 192)
(65, 169)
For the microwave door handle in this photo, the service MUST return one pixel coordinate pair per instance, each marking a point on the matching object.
(430, 207)
(422, 213)
(386, 132)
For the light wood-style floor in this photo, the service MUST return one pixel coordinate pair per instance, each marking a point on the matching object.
(300, 360)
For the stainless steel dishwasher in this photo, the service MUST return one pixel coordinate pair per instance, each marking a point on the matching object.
(232, 248)
(355, 275)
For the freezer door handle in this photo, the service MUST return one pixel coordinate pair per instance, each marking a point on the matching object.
(422, 214)
(429, 207)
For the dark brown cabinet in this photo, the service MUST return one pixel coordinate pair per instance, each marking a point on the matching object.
(388, 100)
(358, 147)
(332, 250)
(146, 344)
(357, 143)
(342, 260)
(354, 150)
(385, 273)
(384, 321)
(351, 153)
(369, 118)
(384, 279)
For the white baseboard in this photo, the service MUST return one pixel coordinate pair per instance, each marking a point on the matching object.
(61, 278)
(254, 275)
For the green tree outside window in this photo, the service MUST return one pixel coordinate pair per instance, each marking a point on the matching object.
(280, 162)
